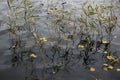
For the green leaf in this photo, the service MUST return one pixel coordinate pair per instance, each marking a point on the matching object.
(85, 11)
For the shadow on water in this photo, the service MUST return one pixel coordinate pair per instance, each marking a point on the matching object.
(81, 48)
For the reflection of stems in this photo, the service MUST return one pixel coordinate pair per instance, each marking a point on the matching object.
(41, 50)
(95, 77)
(8, 3)
(25, 14)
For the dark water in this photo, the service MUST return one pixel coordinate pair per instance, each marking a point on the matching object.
(52, 63)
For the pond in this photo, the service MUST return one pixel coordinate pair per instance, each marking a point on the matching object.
(59, 39)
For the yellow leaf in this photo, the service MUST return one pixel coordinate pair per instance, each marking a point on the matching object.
(110, 67)
(118, 69)
(105, 42)
(43, 39)
(33, 56)
(81, 46)
(105, 52)
(110, 58)
(105, 64)
(92, 69)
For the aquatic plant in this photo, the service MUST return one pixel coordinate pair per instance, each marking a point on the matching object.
(74, 38)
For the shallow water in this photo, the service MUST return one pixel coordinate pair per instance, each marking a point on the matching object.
(73, 71)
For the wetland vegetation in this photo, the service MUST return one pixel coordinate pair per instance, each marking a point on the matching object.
(73, 38)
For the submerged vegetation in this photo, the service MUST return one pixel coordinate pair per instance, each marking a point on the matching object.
(73, 38)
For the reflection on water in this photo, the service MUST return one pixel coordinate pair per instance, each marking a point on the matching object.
(62, 45)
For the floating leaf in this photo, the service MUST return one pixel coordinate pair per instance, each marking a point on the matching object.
(105, 68)
(118, 69)
(105, 64)
(109, 57)
(92, 69)
(81, 46)
(33, 55)
(105, 52)
(43, 39)
(13, 47)
(110, 67)
(105, 42)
